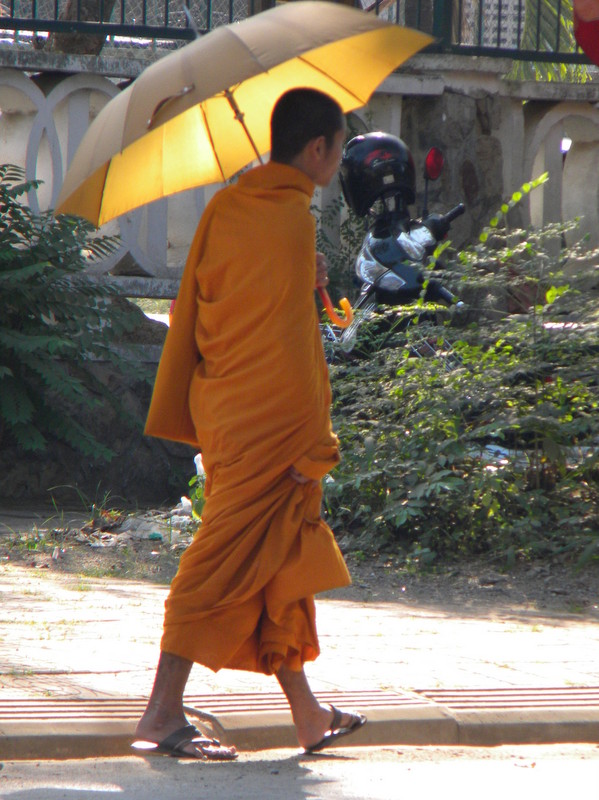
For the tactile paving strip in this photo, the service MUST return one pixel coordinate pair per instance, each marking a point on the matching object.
(471, 699)
(276, 702)
(122, 708)
(467, 699)
(104, 726)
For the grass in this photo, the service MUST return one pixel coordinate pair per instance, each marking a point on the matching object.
(152, 306)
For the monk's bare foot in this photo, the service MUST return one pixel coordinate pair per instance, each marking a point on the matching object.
(156, 724)
(317, 725)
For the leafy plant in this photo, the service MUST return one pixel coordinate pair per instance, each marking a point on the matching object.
(342, 248)
(196, 494)
(55, 323)
(500, 453)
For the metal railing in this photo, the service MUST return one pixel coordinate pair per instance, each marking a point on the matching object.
(537, 30)
(130, 20)
(532, 30)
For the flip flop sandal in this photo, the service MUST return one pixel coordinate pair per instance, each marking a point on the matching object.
(207, 749)
(336, 731)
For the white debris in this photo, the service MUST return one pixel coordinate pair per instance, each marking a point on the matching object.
(146, 528)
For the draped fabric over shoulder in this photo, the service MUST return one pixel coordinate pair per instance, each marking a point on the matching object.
(256, 402)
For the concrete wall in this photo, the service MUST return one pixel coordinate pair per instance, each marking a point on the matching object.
(495, 134)
(498, 134)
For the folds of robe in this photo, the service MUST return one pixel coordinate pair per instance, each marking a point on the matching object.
(256, 402)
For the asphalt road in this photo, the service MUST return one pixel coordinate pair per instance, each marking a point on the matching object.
(510, 773)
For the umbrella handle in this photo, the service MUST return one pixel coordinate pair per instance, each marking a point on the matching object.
(341, 322)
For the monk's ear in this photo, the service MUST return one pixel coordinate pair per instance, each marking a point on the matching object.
(312, 157)
(316, 149)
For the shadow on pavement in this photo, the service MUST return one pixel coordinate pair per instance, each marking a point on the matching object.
(293, 777)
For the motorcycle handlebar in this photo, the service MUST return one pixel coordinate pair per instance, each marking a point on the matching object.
(436, 292)
(439, 224)
(454, 213)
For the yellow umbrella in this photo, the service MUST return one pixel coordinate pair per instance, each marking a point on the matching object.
(202, 113)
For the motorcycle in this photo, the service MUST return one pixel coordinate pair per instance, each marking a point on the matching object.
(392, 267)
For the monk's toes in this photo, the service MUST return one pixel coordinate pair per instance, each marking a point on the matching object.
(189, 742)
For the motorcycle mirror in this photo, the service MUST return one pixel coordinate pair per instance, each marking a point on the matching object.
(433, 164)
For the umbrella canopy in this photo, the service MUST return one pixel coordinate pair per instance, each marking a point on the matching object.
(202, 113)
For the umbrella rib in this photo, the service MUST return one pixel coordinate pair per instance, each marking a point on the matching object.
(329, 77)
(209, 132)
(240, 117)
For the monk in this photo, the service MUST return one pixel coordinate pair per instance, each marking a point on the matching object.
(243, 378)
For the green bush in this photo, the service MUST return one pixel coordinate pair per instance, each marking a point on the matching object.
(493, 449)
(54, 323)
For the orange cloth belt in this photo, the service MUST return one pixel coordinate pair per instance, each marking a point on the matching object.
(256, 402)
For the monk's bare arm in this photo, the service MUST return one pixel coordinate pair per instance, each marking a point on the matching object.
(298, 476)
(322, 270)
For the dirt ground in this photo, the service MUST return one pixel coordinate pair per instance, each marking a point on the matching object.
(79, 547)
(351, 773)
(455, 773)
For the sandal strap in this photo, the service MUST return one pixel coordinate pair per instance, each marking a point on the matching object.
(180, 738)
(337, 716)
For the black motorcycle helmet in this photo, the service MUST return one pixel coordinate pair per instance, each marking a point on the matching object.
(376, 165)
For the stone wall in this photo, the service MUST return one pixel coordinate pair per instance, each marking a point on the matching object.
(497, 134)
(468, 136)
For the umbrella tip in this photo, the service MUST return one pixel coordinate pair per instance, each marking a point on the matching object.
(191, 21)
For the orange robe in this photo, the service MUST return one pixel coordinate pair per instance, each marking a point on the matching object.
(256, 401)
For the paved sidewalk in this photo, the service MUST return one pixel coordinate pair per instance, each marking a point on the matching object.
(77, 659)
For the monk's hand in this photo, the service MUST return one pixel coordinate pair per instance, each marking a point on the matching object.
(322, 270)
(298, 476)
